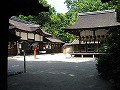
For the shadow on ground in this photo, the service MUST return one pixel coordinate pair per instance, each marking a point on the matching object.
(56, 75)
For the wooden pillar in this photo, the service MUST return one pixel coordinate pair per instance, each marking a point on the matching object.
(34, 37)
(16, 47)
(94, 39)
(86, 46)
(79, 42)
(98, 45)
(27, 35)
(20, 33)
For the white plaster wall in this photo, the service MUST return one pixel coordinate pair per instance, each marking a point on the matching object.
(30, 35)
(18, 33)
(37, 37)
(23, 36)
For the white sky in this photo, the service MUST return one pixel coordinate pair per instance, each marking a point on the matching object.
(59, 5)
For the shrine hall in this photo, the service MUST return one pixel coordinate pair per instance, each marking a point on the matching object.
(91, 30)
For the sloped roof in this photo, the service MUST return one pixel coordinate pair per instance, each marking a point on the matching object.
(46, 34)
(23, 25)
(93, 20)
(11, 26)
(26, 26)
(54, 40)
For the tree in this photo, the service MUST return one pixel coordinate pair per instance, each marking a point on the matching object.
(53, 22)
(41, 18)
(87, 5)
(108, 65)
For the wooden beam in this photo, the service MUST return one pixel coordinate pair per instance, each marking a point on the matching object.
(86, 46)
(79, 42)
(98, 45)
(94, 39)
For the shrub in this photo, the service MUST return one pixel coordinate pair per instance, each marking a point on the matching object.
(108, 65)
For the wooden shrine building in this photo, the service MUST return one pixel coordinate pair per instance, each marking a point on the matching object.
(29, 32)
(52, 45)
(24, 35)
(91, 29)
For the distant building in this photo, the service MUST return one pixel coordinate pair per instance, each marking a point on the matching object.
(52, 45)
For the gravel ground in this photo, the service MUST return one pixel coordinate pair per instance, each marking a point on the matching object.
(55, 72)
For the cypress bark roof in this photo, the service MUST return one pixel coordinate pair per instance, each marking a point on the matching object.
(52, 39)
(93, 20)
(23, 25)
(26, 26)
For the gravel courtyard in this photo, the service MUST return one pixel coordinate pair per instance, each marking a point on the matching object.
(55, 72)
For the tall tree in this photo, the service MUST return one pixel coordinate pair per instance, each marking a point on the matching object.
(87, 5)
(53, 22)
(77, 6)
(108, 65)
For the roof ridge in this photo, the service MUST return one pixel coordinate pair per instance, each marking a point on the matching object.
(96, 12)
(22, 21)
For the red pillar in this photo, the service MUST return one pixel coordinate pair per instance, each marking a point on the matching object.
(34, 53)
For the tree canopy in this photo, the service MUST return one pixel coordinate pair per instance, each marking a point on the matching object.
(108, 65)
(53, 22)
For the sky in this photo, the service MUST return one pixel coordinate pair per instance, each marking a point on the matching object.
(59, 5)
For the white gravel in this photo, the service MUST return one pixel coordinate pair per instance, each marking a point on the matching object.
(52, 57)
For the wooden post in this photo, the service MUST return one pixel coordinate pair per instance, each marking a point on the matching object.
(94, 39)
(16, 48)
(79, 42)
(24, 62)
(86, 45)
(98, 45)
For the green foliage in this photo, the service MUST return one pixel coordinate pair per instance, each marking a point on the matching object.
(53, 22)
(118, 14)
(87, 5)
(103, 65)
(108, 65)
(104, 47)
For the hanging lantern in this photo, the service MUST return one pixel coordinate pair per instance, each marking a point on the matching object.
(98, 37)
(82, 38)
(90, 37)
(94, 37)
(103, 36)
(87, 37)
(77, 38)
